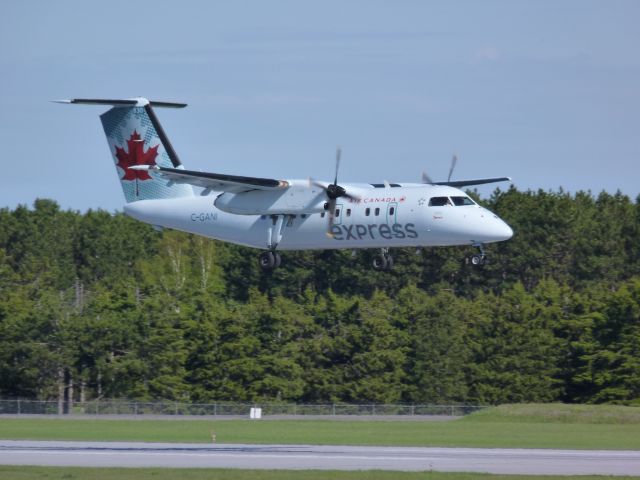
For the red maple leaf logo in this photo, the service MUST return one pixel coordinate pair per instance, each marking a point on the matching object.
(136, 156)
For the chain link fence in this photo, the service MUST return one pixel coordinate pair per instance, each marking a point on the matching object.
(128, 407)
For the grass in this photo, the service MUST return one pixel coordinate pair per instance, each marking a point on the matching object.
(558, 413)
(72, 473)
(187, 431)
(515, 426)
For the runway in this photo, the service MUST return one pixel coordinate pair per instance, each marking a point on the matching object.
(302, 457)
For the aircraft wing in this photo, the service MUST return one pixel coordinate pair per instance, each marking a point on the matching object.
(214, 181)
(468, 183)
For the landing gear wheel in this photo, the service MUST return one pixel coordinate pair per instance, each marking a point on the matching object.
(389, 261)
(478, 259)
(267, 260)
(380, 262)
(277, 260)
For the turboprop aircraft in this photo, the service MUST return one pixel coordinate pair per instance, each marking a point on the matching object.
(285, 214)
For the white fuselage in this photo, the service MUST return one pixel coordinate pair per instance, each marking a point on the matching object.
(398, 216)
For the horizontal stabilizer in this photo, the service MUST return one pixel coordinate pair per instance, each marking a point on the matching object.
(128, 102)
(214, 181)
(469, 183)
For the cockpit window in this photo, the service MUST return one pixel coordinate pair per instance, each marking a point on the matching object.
(439, 201)
(460, 201)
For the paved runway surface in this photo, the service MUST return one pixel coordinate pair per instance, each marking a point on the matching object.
(121, 454)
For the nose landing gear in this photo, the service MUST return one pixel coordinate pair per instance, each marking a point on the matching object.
(479, 259)
(383, 261)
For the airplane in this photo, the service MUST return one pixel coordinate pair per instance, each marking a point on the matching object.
(286, 214)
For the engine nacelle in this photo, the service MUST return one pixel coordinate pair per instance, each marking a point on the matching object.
(294, 200)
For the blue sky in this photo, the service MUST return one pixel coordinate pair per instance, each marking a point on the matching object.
(547, 92)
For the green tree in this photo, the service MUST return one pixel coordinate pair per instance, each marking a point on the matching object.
(615, 366)
(439, 354)
(514, 350)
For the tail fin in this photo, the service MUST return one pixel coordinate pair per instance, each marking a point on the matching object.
(136, 137)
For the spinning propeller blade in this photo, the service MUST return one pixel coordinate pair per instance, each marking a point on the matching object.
(338, 154)
(454, 160)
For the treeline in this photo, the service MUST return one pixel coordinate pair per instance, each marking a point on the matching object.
(97, 305)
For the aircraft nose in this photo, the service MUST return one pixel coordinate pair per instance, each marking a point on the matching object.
(502, 231)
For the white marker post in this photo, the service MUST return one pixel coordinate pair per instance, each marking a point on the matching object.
(255, 413)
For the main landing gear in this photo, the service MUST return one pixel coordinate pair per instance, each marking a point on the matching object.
(270, 260)
(383, 260)
(479, 259)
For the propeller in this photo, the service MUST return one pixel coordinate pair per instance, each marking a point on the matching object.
(461, 183)
(454, 160)
(427, 179)
(333, 192)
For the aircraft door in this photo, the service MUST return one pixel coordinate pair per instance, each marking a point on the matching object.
(392, 213)
(337, 220)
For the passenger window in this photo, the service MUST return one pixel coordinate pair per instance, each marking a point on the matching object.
(348, 212)
(377, 211)
(439, 202)
(321, 214)
(337, 212)
(460, 201)
(392, 210)
(367, 212)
